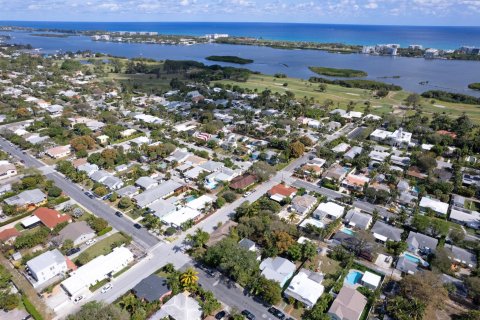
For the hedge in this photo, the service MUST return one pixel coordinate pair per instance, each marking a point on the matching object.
(23, 215)
(31, 308)
(104, 231)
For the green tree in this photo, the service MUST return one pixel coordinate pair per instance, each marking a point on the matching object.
(189, 278)
(401, 308)
(262, 170)
(5, 277)
(297, 149)
(8, 301)
(199, 238)
(100, 191)
(125, 203)
(54, 192)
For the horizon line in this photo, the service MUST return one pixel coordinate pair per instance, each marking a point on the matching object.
(251, 22)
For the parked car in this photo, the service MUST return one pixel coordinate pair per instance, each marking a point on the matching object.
(107, 287)
(277, 313)
(222, 314)
(78, 299)
(90, 241)
(210, 273)
(119, 214)
(137, 226)
(72, 251)
(246, 194)
(248, 314)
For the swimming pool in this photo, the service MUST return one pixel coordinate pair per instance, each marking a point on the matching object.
(412, 258)
(347, 231)
(190, 198)
(353, 277)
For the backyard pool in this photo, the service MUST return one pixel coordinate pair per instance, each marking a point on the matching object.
(412, 258)
(353, 277)
(347, 231)
(190, 198)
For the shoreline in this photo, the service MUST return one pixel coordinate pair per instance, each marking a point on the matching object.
(173, 39)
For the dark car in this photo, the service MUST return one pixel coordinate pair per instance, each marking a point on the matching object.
(119, 214)
(222, 314)
(138, 225)
(277, 313)
(72, 251)
(210, 273)
(248, 315)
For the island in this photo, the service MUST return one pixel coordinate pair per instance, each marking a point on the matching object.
(230, 59)
(334, 72)
(474, 86)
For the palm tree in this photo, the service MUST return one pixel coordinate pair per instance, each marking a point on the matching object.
(129, 303)
(189, 278)
(292, 216)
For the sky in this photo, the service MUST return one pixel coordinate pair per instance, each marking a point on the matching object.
(398, 12)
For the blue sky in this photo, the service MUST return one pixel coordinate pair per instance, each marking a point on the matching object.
(404, 12)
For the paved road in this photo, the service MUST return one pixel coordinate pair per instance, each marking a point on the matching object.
(141, 237)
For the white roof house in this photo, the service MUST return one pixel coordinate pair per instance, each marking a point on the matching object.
(436, 205)
(466, 217)
(30, 221)
(200, 202)
(306, 287)
(176, 218)
(371, 280)
(277, 269)
(47, 265)
(146, 183)
(312, 222)
(154, 194)
(97, 270)
(328, 209)
(179, 307)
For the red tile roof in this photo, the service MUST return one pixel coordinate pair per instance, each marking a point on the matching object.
(8, 233)
(242, 182)
(282, 189)
(447, 133)
(50, 217)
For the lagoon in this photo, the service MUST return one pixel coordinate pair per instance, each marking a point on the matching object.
(445, 75)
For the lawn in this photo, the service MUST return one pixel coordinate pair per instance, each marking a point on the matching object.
(341, 96)
(104, 246)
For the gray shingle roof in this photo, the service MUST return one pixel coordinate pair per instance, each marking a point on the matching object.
(152, 288)
(388, 231)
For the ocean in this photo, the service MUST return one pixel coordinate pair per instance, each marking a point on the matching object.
(428, 36)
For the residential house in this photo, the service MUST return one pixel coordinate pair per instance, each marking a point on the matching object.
(96, 270)
(465, 217)
(9, 235)
(243, 182)
(128, 191)
(7, 170)
(178, 156)
(177, 218)
(458, 201)
(78, 232)
(355, 182)
(303, 204)
(103, 139)
(329, 210)
(357, 219)
(51, 218)
(420, 243)
(88, 168)
(179, 307)
(107, 179)
(348, 305)
(461, 256)
(59, 152)
(152, 288)
(277, 269)
(281, 191)
(305, 287)
(28, 199)
(146, 183)
(341, 147)
(370, 280)
(439, 207)
(399, 138)
(384, 232)
(47, 265)
(336, 172)
(159, 192)
(406, 265)
(352, 153)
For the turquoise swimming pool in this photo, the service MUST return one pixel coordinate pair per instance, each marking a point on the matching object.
(353, 277)
(412, 258)
(190, 198)
(347, 231)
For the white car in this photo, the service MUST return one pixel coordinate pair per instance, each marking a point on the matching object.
(78, 299)
(246, 194)
(91, 241)
(106, 287)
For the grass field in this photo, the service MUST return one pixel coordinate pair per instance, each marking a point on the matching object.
(341, 96)
(104, 246)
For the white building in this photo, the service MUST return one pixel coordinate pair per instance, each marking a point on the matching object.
(96, 270)
(437, 206)
(330, 210)
(306, 287)
(7, 169)
(47, 265)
